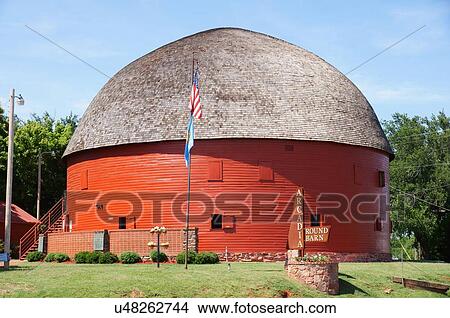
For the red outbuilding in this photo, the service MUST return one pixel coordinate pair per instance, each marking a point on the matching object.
(21, 222)
(276, 119)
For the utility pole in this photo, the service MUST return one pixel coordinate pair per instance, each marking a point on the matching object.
(9, 174)
(38, 200)
(39, 181)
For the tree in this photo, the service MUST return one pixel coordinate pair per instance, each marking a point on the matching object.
(43, 133)
(420, 181)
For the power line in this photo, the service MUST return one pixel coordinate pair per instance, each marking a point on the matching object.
(67, 51)
(414, 196)
(424, 133)
(388, 48)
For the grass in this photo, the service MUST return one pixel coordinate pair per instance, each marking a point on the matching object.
(244, 280)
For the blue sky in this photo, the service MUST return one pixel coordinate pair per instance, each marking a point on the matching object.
(413, 77)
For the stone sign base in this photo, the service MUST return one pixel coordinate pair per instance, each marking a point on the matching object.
(321, 276)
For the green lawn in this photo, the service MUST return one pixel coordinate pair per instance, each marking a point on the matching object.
(244, 280)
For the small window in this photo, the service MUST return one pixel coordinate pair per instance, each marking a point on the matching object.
(357, 174)
(228, 221)
(381, 179)
(378, 226)
(289, 147)
(122, 223)
(215, 172)
(315, 219)
(265, 171)
(84, 180)
(216, 221)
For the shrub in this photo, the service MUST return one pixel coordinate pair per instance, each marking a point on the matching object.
(108, 258)
(35, 256)
(162, 257)
(207, 258)
(313, 258)
(93, 257)
(61, 257)
(50, 257)
(82, 257)
(130, 258)
(191, 257)
(2, 247)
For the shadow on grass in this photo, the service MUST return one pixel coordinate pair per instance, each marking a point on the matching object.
(346, 275)
(17, 268)
(346, 288)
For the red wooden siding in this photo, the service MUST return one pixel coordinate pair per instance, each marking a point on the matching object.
(121, 173)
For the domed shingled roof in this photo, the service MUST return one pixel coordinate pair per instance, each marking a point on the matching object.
(251, 86)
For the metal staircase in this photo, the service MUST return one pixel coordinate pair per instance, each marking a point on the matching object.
(51, 222)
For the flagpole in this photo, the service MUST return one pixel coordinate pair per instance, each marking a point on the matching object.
(187, 213)
(186, 252)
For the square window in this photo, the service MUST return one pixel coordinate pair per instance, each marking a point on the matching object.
(216, 221)
(122, 223)
(215, 171)
(228, 221)
(315, 219)
(381, 179)
(289, 147)
(265, 171)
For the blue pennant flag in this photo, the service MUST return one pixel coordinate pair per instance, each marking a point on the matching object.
(189, 141)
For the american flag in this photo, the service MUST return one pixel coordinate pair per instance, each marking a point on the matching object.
(194, 100)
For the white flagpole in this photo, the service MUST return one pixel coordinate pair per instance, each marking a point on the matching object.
(186, 252)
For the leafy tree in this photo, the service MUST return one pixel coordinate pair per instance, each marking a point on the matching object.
(420, 181)
(43, 133)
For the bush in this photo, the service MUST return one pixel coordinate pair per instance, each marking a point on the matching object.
(207, 258)
(108, 258)
(35, 256)
(191, 257)
(94, 257)
(82, 257)
(2, 247)
(162, 257)
(61, 257)
(50, 257)
(56, 257)
(130, 258)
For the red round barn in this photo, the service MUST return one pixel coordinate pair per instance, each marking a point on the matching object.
(276, 118)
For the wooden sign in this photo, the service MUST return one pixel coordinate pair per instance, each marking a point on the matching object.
(317, 233)
(299, 234)
(296, 239)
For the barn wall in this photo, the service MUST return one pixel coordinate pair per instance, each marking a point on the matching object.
(129, 177)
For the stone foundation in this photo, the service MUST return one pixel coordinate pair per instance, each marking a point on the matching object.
(253, 257)
(348, 257)
(321, 276)
(281, 256)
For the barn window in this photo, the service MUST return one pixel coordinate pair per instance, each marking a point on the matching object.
(289, 147)
(122, 223)
(381, 179)
(227, 221)
(84, 180)
(357, 174)
(216, 221)
(215, 171)
(315, 219)
(265, 171)
(378, 226)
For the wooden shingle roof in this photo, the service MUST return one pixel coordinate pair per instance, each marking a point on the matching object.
(251, 85)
